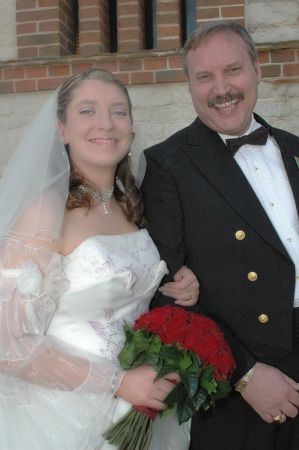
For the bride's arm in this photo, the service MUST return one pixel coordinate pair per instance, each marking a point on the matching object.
(184, 289)
(31, 284)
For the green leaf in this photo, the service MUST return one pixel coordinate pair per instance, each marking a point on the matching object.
(199, 399)
(165, 370)
(170, 353)
(164, 413)
(186, 361)
(223, 390)
(207, 372)
(210, 387)
(185, 410)
(190, 382)
(177, 395)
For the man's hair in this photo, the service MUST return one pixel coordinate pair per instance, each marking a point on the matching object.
(205, 31)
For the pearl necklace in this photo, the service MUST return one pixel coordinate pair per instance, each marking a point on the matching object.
(97, 194)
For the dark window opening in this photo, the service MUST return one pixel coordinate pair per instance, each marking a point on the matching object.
(113, 25)
(75, 22)
(148, 24)
(188, 15)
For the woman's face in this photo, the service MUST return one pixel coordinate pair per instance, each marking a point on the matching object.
(98, 126)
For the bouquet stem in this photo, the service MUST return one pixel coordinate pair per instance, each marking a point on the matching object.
(133, 431)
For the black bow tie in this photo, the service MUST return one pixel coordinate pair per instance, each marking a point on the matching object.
(257, 137)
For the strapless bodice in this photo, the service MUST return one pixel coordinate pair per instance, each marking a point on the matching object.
(112, 279)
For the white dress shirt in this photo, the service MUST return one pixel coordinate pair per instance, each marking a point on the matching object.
(263, 167)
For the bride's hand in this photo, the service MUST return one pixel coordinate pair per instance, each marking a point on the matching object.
(184, 289)
(138, 387)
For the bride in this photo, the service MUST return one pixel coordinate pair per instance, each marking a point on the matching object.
(74, 265)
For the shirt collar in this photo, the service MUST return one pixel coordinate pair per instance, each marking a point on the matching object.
(253, 126)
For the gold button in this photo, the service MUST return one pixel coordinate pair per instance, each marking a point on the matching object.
(289, 240)
(263, 318)
(252, 276)
(240, 235)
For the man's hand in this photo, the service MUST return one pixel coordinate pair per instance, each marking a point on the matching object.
(270, 392)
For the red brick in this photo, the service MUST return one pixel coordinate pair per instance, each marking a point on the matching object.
(271, 71)
(130, 65)
(232, 11)
(83, 3)
(291, 69)
(175, 62)
(89, 49)
(142, 77)
(78, 68)
(155, 64)
(13, 74)
(128, 34)
(30, 52)
(38, 39)
(130, 46)
(51, 50)
(25, 4)
(111, 66)
(89, 25)
(124, 77)
(25, 86)
(49, 83)
(173, 30)
(170, 76)
(127, 10)
(89, 37)
(1, 74)
(169, 43)
(25, 28)
(36, 72)
(89, 13)
(6, 88)
(281, 56)
(48, 3)
(36, 15)
(167, 19)
(168, 7)
(264, 57)
(58, 71)
(52, 25)
(209, 13)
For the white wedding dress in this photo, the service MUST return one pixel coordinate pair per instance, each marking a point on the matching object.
(46, 400)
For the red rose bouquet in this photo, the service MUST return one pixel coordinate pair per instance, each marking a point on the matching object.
(172, 339)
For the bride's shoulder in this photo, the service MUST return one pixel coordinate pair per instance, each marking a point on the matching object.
(41, 221)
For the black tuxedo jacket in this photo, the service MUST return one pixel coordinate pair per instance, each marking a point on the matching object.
(197, 199)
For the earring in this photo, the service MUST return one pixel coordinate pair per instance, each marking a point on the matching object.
(129, 152)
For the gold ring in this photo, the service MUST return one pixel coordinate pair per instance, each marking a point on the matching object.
(190, 295)
(278, 418)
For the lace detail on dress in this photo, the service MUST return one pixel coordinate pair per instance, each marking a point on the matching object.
(101, 256)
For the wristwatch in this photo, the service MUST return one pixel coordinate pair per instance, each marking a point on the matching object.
(244, 380)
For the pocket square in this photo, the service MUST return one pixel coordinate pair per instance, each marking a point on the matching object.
(296, 158)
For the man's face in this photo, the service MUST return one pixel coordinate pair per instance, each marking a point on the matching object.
(223, 83)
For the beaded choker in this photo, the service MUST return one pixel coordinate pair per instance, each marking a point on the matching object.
(97, 194)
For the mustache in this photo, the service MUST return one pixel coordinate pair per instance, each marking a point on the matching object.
(225, 98)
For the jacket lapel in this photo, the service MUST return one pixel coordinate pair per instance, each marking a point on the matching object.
(210, 155)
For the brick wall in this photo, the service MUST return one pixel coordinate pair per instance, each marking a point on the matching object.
(44, 28)
(280, 64)
(161, 103)
(46, 45)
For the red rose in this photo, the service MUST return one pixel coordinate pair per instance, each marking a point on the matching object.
(224, 364)
(207, 348)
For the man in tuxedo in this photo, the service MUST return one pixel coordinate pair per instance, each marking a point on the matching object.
(228, 209)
